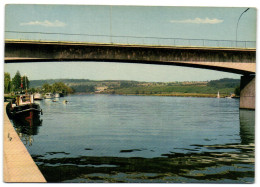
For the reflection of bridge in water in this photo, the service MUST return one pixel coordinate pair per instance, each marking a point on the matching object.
(222, 55)
(247, 126)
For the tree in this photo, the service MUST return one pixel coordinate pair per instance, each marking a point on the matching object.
(90, 88)
(7, 83)
(237, 91)
(16, 81)
(60, 87)
(125, 84)
(46, 87)
(26, 82)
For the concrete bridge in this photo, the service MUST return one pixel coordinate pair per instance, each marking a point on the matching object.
(234, 60)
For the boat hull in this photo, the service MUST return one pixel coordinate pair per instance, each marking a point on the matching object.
(26, 112)
(48, 97)
(57, 95)
(38, 96)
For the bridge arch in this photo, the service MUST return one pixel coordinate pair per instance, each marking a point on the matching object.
(232, 60)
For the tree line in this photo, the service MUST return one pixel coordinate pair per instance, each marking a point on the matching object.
(20, 83)
(17, 83)
(57, 87)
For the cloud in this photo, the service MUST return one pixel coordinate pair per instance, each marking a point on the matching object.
(199, 21)
(45, 23)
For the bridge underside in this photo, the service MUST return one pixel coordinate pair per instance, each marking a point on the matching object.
(231, 67)
(240, 61)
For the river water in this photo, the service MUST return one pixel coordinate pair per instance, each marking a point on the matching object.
(147, 139)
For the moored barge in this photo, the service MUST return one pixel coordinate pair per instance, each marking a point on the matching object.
(24, 108)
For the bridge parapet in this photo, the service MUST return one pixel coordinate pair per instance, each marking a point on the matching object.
(129, 40)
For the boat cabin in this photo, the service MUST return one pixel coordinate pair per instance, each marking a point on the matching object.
(24, 100)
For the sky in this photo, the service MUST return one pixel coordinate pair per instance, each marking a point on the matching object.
(141, 21)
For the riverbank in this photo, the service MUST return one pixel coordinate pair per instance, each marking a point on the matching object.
(177, 95)
(18, 164)
(161, 94)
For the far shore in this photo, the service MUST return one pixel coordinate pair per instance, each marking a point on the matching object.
(166, 94)
(8, 96)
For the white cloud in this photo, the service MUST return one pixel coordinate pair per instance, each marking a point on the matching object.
(45, 23)
(199, 21)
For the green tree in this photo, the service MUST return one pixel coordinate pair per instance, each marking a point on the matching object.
(7, 83)
(33, 90)
(26, 82)
(58, 87)
(237, 91)
(90, 88)
(46, 87)
(16, 81)
(125, 84)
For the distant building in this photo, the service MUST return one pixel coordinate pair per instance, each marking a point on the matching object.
(100, 89)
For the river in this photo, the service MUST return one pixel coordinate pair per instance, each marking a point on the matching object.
(142, 139)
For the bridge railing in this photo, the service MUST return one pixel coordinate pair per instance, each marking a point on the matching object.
(129, 40)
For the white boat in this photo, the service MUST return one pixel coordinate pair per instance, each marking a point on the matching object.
(49, 96)
(218, 96)
(231, 96)
(57, 95)
(38, 96)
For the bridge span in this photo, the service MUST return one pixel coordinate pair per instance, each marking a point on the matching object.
(234, 60)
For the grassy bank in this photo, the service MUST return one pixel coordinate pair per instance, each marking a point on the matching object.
(177, 95)
(183, 91)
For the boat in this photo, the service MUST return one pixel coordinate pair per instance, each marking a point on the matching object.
(24, 108)
(38, 96)
(231, 96)
(57, 95)
(218, 96)
(48, 96)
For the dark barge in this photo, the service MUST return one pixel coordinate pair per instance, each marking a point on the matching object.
(24, 108)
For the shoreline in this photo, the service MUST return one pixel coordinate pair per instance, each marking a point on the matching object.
(162, 94)
(168, 95)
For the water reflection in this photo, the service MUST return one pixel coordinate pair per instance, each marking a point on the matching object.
(206, 167)
(236, 165)
(143, 139)
(27, 128)
(247, 126)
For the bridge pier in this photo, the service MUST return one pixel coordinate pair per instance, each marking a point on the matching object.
(247, 92)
